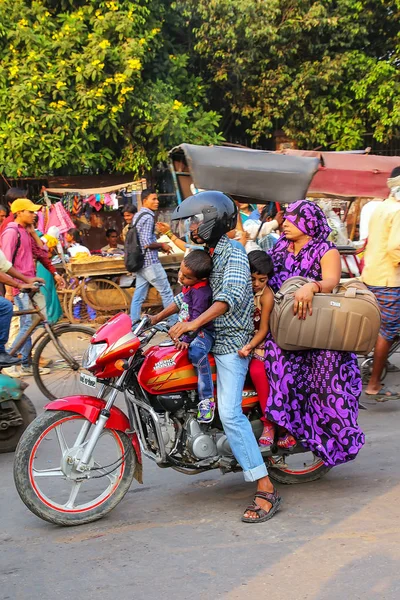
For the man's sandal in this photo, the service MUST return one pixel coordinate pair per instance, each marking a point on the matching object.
(263, 515)
(384, 394)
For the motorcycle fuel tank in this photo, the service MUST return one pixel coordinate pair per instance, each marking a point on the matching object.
(167, 369)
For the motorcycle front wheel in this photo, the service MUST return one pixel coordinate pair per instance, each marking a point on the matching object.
(45, 471)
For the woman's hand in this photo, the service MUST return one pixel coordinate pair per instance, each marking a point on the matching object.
(303, 300)
(163, 227)
(59, 280)
(245, 351)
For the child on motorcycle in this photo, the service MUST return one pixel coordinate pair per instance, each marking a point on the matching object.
(261, 269)
(194, 272)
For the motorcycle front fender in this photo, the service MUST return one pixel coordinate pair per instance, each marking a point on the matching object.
(90, 407)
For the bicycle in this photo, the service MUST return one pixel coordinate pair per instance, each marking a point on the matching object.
(367, 362)
(59, 346)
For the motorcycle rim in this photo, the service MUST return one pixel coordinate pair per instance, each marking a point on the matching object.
(72, 505)
(297, 468)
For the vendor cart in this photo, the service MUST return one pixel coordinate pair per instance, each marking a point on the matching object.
(94, 291)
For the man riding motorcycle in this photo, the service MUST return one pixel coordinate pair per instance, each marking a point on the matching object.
(207, 217)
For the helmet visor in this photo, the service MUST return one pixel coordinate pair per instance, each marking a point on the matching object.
(182, 228)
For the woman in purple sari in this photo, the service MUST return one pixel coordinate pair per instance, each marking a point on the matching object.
(313, 393)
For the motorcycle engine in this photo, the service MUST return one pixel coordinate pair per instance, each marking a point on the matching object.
(168, 429)
(201, 445)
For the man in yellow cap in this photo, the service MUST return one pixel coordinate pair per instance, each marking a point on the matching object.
(21, 249)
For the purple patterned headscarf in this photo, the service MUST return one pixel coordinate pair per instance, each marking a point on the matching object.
(309, 218)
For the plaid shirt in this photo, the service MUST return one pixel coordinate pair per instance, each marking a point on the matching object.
(145, 230)
(230, 282)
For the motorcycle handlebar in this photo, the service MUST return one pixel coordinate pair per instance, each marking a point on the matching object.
(145, 324)
(162, 327)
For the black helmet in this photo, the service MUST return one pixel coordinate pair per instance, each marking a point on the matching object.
(213, 212)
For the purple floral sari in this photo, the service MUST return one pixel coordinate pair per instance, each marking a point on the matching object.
(313, 393)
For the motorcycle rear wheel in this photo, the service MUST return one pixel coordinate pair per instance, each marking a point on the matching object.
(38, 487)
(10, 437)
(281, 470)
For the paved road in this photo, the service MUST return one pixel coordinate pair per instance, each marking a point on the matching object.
(181, 537)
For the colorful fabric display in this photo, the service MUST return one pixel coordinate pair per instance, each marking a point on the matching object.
(60, 218)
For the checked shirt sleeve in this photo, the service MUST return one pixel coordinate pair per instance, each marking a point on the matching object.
(235, 281)
(145, 230)
(178, 300)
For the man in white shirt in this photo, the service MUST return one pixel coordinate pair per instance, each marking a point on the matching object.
(365, 216)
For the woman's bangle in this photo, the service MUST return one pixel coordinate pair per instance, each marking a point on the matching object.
(169, 233)
(319, 286)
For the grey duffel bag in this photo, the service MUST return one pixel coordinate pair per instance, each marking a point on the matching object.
(348, 319)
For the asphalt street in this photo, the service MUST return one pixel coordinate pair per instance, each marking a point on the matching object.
(180, 537)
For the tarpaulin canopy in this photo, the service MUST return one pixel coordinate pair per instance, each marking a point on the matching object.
(88, 191)
(350, 174)
(244, 173)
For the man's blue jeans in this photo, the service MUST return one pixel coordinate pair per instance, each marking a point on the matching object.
(156, 276)
(198, 356)
(6, 312)
(22, 302)
(231, 374)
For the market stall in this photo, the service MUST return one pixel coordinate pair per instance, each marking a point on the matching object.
(98, 285)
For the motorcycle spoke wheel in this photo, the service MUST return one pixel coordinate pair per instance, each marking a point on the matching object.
(47, 478)
(296, 468)
(54, 449)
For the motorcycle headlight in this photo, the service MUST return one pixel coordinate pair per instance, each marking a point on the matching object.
(91, 354)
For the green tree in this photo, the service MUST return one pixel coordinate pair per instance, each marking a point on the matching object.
(323, 71)
(87, 86)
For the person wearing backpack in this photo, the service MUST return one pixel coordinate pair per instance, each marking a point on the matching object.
(141, 256)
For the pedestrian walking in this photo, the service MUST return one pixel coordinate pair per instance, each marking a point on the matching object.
(152, 273)
(381, 274)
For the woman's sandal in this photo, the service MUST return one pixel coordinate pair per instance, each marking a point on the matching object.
(263, 515)
(267, 437)
(287, 442)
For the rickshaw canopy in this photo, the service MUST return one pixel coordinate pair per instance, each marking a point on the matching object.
(243, 173)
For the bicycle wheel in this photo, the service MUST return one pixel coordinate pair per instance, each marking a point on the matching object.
(62, 379)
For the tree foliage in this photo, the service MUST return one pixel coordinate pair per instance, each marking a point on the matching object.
(94, 85)
(112, 85)
(323, 71)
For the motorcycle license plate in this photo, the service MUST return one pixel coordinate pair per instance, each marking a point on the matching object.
(88, 380)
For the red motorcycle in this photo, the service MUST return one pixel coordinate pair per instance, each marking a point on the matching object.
(76, 461)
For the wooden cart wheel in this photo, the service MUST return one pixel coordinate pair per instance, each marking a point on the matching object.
(104, 295)
(65, 297)
(81, 312)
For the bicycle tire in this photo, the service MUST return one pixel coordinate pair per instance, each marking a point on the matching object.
(58, 332)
